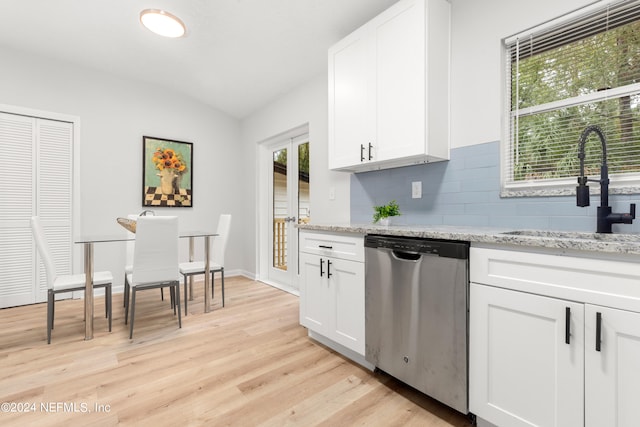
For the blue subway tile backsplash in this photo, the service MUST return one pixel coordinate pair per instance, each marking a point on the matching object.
(466, 191)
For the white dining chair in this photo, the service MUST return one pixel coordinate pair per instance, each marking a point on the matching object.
(155, 261)
(128, 267)
(68, 282)
(216, 264)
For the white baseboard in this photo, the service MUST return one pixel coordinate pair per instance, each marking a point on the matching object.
(282, 287)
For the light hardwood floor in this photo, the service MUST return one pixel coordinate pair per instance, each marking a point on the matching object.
(248, 364)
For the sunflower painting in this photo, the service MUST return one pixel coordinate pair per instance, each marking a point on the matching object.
(167, 173)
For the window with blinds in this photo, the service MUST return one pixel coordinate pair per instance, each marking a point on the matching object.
(579, 71)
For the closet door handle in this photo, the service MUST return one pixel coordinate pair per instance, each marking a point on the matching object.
(329, 269)
(361, 152)
(321, 265)
(370, 147)
(598, 330)
(567, 325)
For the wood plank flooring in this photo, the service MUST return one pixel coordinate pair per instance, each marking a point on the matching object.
(248, 364)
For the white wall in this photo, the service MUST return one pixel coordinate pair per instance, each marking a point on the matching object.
(305, 105)
(478, 28)
(114, 115)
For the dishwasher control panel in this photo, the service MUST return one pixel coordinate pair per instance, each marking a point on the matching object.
(443, 248)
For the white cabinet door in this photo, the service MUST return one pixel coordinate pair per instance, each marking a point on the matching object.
(380, 86)
(612, 372)
(315, 301)
(332, 299)
(399, 71)
(522, 372)
(349, 85)
(347, 292)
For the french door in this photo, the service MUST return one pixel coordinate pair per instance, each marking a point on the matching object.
(288, 199)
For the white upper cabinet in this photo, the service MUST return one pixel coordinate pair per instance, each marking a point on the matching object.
(389, 89)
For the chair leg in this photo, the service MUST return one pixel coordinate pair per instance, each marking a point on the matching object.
(133, 309)
(185, 296)
(124, 296)
(222, 280)
(162, 294)
(177, 285)
(109, 304)
(127, 292)
(53, 309)
(50, 302)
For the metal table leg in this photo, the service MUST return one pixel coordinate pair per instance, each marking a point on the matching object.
(88, 291)
(207, 276)
(191, 257)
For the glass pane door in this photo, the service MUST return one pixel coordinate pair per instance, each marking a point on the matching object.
(280, 208)
(304, 212)
(290, 204)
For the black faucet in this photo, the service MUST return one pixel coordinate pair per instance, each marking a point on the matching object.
(605, 217)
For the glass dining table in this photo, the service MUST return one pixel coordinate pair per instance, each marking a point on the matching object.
(89, 240)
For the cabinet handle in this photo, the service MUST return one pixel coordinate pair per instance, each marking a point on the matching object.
(329, 269)
(567, 325)
(325, 247)
(321, 264)
(361, 153)
(370, 147)
(598, 330)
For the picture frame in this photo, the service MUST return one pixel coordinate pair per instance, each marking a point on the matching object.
(167, 173)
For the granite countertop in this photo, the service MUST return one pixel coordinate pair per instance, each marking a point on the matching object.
(570, 240)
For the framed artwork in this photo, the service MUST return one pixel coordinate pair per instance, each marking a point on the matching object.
(167, 173)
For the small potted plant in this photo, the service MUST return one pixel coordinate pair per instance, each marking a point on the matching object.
(382, 214)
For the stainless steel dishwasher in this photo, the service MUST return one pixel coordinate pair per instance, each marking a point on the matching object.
(416, 314)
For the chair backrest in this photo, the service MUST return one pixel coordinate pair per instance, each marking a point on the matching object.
(219, 244)
(131, 243)
(44, 251)
(155, 256)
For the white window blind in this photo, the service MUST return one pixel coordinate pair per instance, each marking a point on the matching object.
(564, 76)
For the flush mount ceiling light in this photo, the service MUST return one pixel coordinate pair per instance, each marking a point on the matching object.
(162, 23)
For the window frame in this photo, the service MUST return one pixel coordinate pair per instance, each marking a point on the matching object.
(627, 183)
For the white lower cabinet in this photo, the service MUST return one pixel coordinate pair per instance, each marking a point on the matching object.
(522, 372)
(332, 290)
(542, 351)
(612, 373)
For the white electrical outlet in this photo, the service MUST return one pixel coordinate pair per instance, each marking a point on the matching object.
(416, 190)
(332, 193)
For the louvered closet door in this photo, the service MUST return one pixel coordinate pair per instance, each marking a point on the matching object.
(36, 180)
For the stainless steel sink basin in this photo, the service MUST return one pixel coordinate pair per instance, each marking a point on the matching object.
(574, 235)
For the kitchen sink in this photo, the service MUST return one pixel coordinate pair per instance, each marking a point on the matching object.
(626, 237)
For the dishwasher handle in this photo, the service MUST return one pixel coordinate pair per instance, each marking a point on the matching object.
(406, 255)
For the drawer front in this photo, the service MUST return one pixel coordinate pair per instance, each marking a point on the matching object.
(596, 281)
(338, 245)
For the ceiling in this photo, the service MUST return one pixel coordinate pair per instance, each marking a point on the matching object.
(237, 56)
